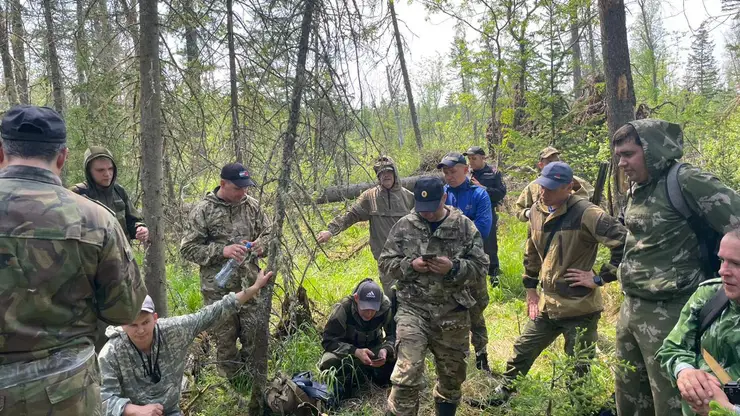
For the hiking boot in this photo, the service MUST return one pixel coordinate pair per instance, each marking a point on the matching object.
(493, 277)
(481, 362)
(445, 409)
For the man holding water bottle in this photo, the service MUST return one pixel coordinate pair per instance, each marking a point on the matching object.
(219, 229)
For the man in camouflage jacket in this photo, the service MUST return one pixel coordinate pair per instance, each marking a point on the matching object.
(661, 266)
(571, 292)
(382, 205)
(433, 295)
(64, 263)
(218, 228)
(143, 363)
(359, 338)
(680, 355)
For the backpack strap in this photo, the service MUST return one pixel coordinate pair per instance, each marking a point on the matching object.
(675, 194)
(710, 312)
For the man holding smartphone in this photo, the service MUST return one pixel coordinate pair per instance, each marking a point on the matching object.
(566, 231)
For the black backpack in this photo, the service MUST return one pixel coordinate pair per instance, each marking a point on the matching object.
(709, 313)
(708, 238)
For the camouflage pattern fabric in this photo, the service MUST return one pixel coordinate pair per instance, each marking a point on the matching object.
(351, 373)
(641, 329)
(720, 339)
(65, 263)
(446, 338)
(70, 392)
(661, 266)
(124, 379)
(433, 310)
(114, 196)
(542, 332)
(214, 224)
(531, 194)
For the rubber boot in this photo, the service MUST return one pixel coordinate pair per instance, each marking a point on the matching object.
(445, 409)
(481, 362)
(493, 277)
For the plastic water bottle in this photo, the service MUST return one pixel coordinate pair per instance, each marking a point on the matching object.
(222, 278)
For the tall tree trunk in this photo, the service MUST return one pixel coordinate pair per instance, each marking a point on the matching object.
(620, 92)
(56, 71)
(7, 60)
(262, 334)
(575, 50)
(152, 145)
(592, 59)
(132, 24)
(191, 49)
(393, 90)
(405, 72)
(235, 137)
(17, 41)
(82, 56)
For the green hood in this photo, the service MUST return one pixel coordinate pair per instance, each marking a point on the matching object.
(92, 153)
(384, 163)
(662, 142)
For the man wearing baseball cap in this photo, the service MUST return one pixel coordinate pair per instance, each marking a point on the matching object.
(433, 254)
(359, 338)
(218, 229)
(492, 181)
(474, 202)
(565, 231)
(531, 193)
(66, 263)
(143, 362)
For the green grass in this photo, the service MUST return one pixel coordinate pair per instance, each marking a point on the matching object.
(350, 261)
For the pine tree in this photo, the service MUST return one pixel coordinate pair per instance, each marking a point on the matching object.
(702, 72)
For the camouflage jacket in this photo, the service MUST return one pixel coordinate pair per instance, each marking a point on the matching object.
(430, 295)
(381, 207)
(212, 225)
(661, 259)
(573, 247)
(64, 263)
(721, 339)
(123, 378)
(531, 194)
(346, 331)
(114, 197)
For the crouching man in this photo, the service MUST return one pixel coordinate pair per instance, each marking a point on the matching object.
(143, 363)
(359, 338)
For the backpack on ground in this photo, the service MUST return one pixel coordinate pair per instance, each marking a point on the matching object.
(708, 238)
(299, 395)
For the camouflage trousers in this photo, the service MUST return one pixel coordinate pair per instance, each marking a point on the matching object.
(240, 326)
(447, 339)
(351, 373)
(478, 329)
(541, 332)
(642, 327)
(69, 393)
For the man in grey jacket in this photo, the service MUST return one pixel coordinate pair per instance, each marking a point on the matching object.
(143, 363)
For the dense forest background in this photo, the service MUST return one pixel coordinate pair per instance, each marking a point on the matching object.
(177, 88)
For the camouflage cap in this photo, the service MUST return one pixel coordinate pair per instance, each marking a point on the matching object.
(548, 151)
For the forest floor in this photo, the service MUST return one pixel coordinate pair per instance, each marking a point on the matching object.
(546, 390)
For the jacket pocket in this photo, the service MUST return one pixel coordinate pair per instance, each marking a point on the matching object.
(70, 387)
(563, 288)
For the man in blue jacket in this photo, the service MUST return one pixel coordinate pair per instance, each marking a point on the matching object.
(492, 181)
(474, 202)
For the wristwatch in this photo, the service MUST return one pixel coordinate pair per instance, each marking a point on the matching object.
(598, 280)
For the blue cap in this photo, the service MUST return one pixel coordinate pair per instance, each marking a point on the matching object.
(555, 175)
(370, 296)
(451, 159)
(428, 192)
(29, 123)
(237, 174)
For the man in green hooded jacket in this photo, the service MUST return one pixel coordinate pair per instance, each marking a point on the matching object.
(661, 267)
(100, 184)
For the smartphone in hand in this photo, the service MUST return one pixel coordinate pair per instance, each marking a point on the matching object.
(428, 256)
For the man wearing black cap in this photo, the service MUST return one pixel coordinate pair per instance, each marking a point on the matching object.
(432, 254)
(65, 262)
(566, 231)
(219, 228)
(143, 362)
(359, 338)
(474, 202)
(491, 180)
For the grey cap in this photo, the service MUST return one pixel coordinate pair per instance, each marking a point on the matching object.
(370, 296)
(148, 305)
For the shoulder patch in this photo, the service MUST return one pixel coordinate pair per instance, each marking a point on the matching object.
(709, 282)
